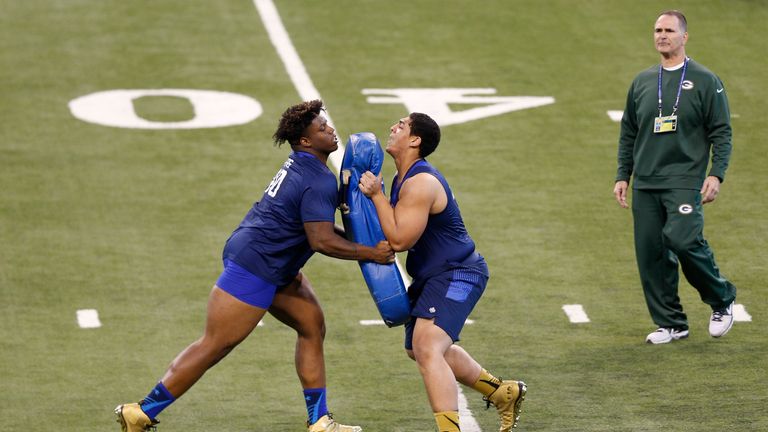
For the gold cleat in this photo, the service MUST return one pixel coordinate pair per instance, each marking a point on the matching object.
(133, 419)
(326, 423)
(507, 400)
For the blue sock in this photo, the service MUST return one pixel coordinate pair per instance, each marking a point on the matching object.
(316, 407)
(157, 400)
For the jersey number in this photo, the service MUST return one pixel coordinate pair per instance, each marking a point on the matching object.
(274, 186)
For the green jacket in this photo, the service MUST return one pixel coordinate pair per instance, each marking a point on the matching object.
(675, 160)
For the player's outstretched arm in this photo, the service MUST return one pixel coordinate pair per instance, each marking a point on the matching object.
(323, 238)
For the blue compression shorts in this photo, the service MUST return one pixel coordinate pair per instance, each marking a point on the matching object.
(246, 286)
(449, 298)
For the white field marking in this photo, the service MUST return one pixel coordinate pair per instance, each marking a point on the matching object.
(293, 64)
(212, 109)
(375, 322)
(307, 91)
(403, 273)
(466, 421)
(576, 313)
(300, 78)
(372, 322)
(615, 115)
(740, 313)
(88, 318)
(438, 102)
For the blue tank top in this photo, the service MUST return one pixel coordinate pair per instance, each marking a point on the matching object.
(270, 241)
(445, 242)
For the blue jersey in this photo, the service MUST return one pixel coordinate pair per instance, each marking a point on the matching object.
(445, 242)
(271, 242)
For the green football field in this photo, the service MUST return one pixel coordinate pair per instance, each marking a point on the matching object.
(129, 220)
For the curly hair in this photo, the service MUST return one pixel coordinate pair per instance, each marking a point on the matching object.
(295, 121)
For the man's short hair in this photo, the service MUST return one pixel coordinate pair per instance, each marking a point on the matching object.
(680, 18)
(295, 121)
(424, 127)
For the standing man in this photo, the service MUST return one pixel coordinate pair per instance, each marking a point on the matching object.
(422, 217)
(262, 273)
(676, 115)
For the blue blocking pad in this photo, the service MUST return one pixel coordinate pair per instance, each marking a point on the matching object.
(361, 223)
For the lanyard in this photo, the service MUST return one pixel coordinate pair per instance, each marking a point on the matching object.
(679, 87)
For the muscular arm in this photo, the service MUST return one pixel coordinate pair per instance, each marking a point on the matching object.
(323, 238)
(403, 225)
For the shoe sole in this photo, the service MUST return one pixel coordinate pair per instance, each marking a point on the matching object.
(120, 418)
(522, 390)
(671, 339)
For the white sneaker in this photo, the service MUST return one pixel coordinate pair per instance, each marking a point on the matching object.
(721, 321)
(664, 335)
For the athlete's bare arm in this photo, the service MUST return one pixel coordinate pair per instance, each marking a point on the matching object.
(323, 238)
(420, 196)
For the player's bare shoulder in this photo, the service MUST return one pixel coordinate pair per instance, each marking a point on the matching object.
(425, 189)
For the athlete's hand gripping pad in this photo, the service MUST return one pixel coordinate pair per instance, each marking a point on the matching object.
(361, 223)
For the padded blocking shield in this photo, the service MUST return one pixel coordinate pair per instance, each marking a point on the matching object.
(361, 223)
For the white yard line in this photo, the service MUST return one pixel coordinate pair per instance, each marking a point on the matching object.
(293, 64)
(300, 78)
(88, 318)
(576, 313)
(307, 91)
(467, 422)
(740, 313)
(615, 115)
